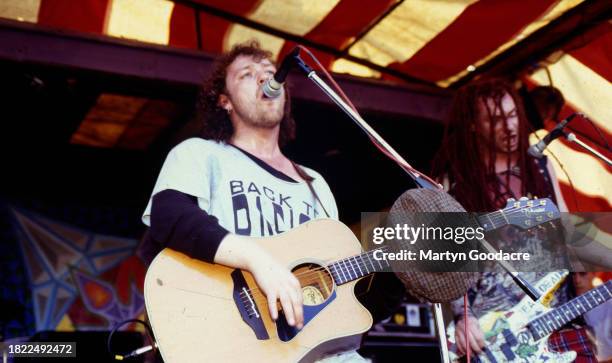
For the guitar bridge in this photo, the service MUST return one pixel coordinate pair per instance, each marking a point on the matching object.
(246, 306)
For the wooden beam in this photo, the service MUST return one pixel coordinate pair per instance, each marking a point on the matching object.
(35, 44)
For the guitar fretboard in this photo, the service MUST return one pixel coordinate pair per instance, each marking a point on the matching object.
(357, 266)
(493, 220)
(352, 268)
(556, 318)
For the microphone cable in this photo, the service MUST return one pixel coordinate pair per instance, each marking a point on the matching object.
(466, 331)
(148, 331)
(402, 163)
(574, 196)
(605, 146)
(601, 136)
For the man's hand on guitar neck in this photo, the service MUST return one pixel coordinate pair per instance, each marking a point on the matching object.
(476, 337)
(275, 281)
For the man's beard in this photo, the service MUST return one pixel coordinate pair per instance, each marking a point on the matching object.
(262, 118)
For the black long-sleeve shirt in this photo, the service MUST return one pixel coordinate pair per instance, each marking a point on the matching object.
(177, 222)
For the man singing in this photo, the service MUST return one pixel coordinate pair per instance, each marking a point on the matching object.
(215, 193)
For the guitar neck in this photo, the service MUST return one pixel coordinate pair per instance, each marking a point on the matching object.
(518, 212)
(556, 318)
(352, 268)
(355, 267)
(493, 220)
(522, 213)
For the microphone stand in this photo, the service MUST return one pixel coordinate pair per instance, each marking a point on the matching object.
(312, 75)
(420, 182)
(572, 137)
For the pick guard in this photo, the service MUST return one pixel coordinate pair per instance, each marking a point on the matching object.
(287, 332)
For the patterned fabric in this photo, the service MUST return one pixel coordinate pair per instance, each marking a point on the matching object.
(430, 286)
(576, 340)
(495, 290)
(498, 292)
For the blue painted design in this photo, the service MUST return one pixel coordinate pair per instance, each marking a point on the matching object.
(54, 278)
(287, 332)
(311, 311)
(16, 318)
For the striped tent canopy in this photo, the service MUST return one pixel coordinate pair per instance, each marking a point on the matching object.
(430, 41)
(438, 43)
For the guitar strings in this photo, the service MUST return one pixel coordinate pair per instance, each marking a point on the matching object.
(254, 291)
(309, 276)
(313, 273)
(509, 213)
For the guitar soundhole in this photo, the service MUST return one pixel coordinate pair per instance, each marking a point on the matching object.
(316, 281)
(317, 291)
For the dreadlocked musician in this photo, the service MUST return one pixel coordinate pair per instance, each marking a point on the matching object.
(483, 162)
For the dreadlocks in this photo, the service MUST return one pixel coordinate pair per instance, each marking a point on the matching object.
(467, 158)
(216, 124)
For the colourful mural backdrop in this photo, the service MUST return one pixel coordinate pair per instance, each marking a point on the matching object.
(78, 279)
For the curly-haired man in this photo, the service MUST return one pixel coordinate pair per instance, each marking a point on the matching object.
(214, 193)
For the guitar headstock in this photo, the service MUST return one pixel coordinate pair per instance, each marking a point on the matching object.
(526, 213)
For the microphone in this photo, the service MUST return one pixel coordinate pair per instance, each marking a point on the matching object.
(273, 87)
(536, 150)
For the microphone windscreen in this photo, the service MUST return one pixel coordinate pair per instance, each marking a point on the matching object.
(534, 151)
(430, 286)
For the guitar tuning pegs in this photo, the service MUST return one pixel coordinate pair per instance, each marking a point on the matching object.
(522, 199)
(511, 200)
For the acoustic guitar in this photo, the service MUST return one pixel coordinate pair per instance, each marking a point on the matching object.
(202, 312)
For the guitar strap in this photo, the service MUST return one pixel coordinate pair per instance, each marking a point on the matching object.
(302, 173)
